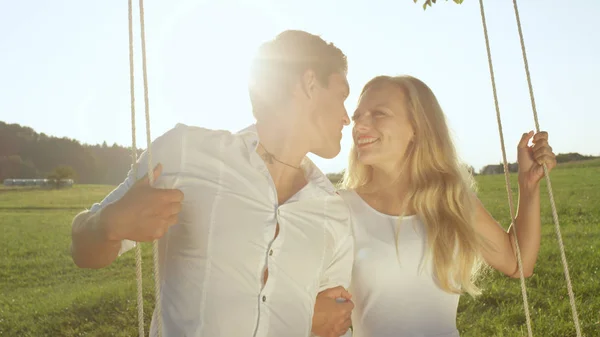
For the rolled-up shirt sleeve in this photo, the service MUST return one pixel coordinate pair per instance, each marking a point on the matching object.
(338, 271)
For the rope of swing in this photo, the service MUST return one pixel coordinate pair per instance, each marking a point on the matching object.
(506, 175)
(507, 178)
(561, 245)
(138, 253)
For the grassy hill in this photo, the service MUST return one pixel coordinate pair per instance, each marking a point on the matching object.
(44, 294)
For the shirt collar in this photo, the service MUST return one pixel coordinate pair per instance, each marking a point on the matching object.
(312, 173)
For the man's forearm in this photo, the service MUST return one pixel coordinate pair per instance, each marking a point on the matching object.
(90, 246)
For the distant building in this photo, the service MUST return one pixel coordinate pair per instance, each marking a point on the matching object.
(38, 182)
(498, 169)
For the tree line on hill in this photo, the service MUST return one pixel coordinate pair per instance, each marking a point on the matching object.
(26, 154)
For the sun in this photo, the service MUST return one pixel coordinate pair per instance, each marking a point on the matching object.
(201, 53)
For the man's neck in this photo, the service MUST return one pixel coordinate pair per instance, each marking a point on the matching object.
(283, 148)
(284, 141)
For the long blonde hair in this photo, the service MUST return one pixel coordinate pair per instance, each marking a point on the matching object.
(440, 191)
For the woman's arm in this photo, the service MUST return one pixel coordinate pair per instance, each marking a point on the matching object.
(500, 246)
(500, 251)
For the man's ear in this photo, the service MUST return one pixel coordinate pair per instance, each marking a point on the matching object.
(309, 82)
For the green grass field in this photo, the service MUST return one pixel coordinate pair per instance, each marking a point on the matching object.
(42, 293)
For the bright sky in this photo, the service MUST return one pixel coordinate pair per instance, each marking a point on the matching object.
(64, 65)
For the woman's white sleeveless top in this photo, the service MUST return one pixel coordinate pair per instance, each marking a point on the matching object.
(393, 288)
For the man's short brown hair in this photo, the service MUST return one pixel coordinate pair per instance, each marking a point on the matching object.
(280, 63)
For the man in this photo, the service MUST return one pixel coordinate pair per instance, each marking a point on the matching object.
(253, 239)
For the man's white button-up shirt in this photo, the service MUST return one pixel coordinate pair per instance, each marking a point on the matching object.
(212, 261)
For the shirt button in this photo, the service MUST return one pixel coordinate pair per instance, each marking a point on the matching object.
(264, 298)
(271, 252)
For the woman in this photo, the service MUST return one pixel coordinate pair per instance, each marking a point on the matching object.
(421, 233)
